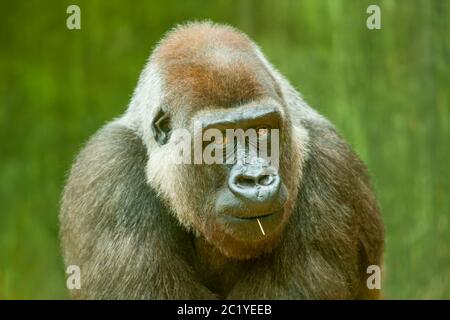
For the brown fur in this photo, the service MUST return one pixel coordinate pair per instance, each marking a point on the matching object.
(208, 65)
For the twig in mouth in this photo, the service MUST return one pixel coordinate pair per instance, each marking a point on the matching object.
(260, 226)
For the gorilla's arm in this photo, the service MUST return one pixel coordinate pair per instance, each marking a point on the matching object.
(115, 228)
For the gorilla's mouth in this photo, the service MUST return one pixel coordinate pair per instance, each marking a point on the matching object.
(252, 228)
(247, 217)
(262, 216)
(251, 221)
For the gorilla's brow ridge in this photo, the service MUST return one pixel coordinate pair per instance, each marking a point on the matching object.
(233, 117)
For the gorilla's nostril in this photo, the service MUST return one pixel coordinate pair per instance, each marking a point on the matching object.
(266, 180)
(244, 181)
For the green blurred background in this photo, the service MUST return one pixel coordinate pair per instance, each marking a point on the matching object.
(387, 91)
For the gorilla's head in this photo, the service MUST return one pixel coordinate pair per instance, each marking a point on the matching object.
(206, 84)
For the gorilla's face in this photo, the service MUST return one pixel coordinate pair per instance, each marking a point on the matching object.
(239, 206)
(241, 203)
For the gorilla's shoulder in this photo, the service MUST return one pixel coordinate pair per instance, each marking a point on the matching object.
(109, 170)
(118, 142)
(114, 147)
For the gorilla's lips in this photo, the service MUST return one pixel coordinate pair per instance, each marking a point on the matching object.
(252, 228)
(250, 221)
(256, 216)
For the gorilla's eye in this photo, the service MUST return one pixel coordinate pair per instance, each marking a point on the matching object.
(221, 142)
(263, 131)
(224, 140)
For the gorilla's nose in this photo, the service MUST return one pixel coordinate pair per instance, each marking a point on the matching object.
(254, 183)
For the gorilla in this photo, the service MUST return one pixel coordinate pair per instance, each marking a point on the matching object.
(141, 226)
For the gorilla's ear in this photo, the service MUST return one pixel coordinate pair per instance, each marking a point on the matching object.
(161, 127)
